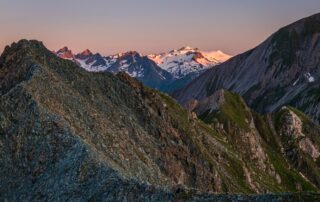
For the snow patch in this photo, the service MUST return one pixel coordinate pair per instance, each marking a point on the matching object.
(310, 78)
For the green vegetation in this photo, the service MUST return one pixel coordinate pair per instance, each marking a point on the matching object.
(304, 118)
(265, 131)
(233, 164)
(232, 110)
(310, 168)
(179, 114)
(279, 119)
(181, 120)
(289, 177)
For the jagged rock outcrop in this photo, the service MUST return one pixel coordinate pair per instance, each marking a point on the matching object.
(300, 142)
(288, 132)
(69, 134)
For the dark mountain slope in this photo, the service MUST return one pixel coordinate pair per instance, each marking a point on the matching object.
(284, 69)
(68, 134)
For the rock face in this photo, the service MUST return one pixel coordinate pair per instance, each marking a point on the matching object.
(70, 134)
(283, 70)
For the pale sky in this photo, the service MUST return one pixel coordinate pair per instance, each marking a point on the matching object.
(148, 26)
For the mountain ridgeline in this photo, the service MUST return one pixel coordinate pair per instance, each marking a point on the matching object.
(166, 71)
(70, 134)
(283, 70)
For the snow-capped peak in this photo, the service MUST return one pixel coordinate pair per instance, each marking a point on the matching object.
(65, 53)
(64, 49)
(178, 63)
(216, 55)
(187, 60)
(86, 52)
(129, 54)
(186, 48)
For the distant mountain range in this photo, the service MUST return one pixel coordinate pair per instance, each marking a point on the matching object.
(165, 71)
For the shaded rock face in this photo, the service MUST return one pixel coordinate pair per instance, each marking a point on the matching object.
(143, 69)
(69, 134)
(211, 103)
(283, 70)
(65, 53)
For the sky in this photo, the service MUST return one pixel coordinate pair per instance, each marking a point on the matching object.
(148, 26)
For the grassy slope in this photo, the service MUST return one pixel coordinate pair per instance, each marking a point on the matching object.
(235, 112)
(233, 164)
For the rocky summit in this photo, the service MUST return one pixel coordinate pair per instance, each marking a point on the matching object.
(70, 134)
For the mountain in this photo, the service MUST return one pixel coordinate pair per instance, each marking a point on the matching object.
(166, 72)
(93, 62)
(134, 64)
(86, 59)
(188, 60)
(65, 53)
(283, 70)
(71, 134)
(186, 64)
(141, 68)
